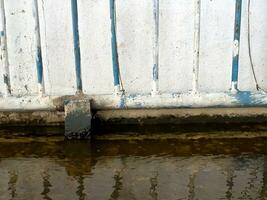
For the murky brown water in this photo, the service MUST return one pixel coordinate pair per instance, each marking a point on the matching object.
(41, 168)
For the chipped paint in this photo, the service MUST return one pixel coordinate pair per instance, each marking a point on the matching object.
(178, 100)
(236, 48)
(236, 45)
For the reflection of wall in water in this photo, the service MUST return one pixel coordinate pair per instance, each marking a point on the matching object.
(135, 177)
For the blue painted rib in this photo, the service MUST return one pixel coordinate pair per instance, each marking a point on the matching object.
(76, 43)
(155, 72)
(237, 30)
(39, 64)
(114, 47)
(38, 59)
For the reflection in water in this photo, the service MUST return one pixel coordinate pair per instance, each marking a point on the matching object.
(134, 170)
(263, 193)
(153, 189)
(46, 185)
(117, 187)
(229, 183)
(80, 191)
(191, 186)
(250, 184)
(13, 177)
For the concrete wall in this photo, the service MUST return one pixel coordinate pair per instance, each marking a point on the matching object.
(135, 41)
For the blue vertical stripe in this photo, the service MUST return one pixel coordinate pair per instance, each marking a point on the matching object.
(155, 72)
(38, 59)
(39, 64)
(114, 48)
(237, 29)
(76, 41)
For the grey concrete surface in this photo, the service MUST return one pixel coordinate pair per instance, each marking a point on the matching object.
(148, 116)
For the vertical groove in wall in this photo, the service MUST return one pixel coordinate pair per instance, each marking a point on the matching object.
(196, 45)
(155, 86)
(4, 53)
(114, 47)
(37, 37)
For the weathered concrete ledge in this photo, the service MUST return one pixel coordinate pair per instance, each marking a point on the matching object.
(141, 116)
(183, 116)
(31, 118)
(242, 99)
(145, 124)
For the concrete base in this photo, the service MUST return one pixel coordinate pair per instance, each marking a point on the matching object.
(78, 119)
(183, 116)
(177, 121)
(139, 116)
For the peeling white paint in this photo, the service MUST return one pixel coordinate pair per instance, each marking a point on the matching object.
(234, 87)
(236, 48)
(103, 102)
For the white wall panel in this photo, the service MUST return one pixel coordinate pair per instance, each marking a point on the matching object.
(57, 46)
(176, 45)
(21, 46)
(217, 33)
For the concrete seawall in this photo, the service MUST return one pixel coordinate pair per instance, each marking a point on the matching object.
(145, 63)
(141, 116)
(163, 123)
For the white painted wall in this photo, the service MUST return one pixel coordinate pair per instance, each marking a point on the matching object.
(217, 26)
(176, 45)
(259, 48)
(57, 46)
(135, 41)
(21, 46)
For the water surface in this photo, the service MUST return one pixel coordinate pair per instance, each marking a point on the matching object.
(51, 168)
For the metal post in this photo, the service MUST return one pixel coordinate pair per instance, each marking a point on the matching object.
(76, 43)
(155, 85)
(4, 53)
(37, 37)
(236, 45)
(196, 45)
(114, 47)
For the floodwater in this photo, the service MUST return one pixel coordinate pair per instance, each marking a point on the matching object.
(51, 168)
